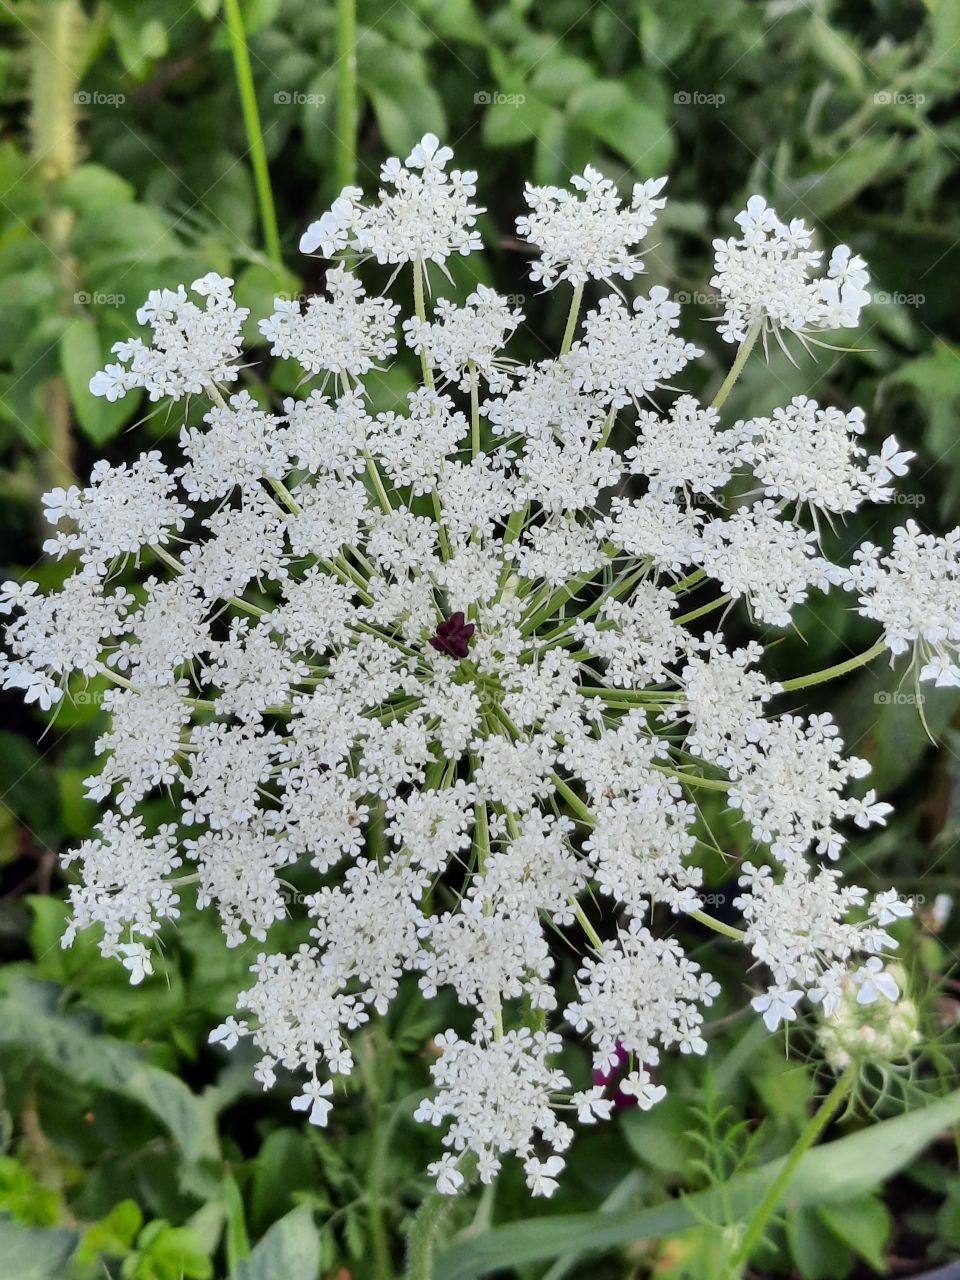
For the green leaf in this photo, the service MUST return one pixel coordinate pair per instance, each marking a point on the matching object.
(397, 83)
(837, 1171)
(91, 188)
(820, 193)
(284, 1164)
(112, 1235)
(29, 1020)
(510, 119)
(813, 1249)
(289, 1251)
(29, 1254)
(631, 128)
(80, 358)
(237, 1240)
(864, 1225)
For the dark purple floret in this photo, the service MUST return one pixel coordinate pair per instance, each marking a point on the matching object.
(453, 636)
(611, 1080)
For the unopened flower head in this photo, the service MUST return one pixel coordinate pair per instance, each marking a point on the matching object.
(440, 657)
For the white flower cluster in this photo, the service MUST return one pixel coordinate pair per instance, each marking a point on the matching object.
(766, 276)
(439, 662)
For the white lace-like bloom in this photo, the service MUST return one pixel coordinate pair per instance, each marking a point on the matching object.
(241, 446)
(683, 451)
(797, 926)
(624, 356)
(806, 454)
(788, 782)
(914, 591)
(123, 510)
(767, 276)
(641, 995)
(345, 333)
(770, 560)
(192, 348)
(424, 214)
(469, 336)
(456, 694)
(588, 234)
(498, 1094)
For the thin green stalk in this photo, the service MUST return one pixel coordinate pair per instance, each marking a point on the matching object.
(347, 110)
(55, 49)
(746, 346)
(831, 673)
(777, 1189)
(376, 1165)
(474, 409)
(427, 1224)
(251, 120)
(572, 317)
(704, 609)
(420, 308)
(717, 926)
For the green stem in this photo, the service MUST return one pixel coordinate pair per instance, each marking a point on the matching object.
(775, 1192)
(572, 317)
(831, 673)
(376, 479)
(704, 609)
(379, 1139)
(56, 52)
(427, 1224)
(717, 926)
(347, 110)
(420, 308)
(474, 409)
(251, 120)
(746, 346)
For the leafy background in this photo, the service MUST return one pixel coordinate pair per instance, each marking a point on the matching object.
(129, 1147)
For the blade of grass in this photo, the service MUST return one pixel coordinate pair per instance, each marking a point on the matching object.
(251, 120)
(347, 110)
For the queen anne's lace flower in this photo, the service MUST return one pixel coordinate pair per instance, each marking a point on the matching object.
(767, 277)
(466, 339)
(587, 234)
(806, 454)
(424, 213)
(458, 689)
(193, 347)
(914, 591)
(347, 333)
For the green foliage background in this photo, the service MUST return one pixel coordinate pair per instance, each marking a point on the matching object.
(129, 1147)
